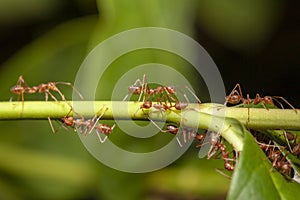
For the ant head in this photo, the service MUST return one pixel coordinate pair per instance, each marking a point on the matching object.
(181, 105)
(147, 104)
(134, 89)
(296, 149)
(200, 137)
(104, 129)
(17, 89)
(52, 86)
(172, 129)
(234, 98)
(228, 166)
(268, 100)
(171, 89)
(69, 121)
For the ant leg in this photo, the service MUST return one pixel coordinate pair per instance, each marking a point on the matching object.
(52, 96)
(178, 141)
(22, 95)
(166, 131)
(145, 88)
(21, 81)
(138, 81)
(169, 95)
(72, 86)
(59, 92)
(213, 140)
(124, 99)
(248, 101)
(235, 91)
(279, 97)
(89, 130)
(98, 131)
(51, 125)
(223, 174)
(190, 90)
(99, 137)
(287, 141)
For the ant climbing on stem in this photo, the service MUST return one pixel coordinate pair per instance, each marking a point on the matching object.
(167, 93)
(22, 88)
(236, 97)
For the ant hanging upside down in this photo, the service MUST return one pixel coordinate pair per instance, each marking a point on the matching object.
(215, 146)
(86, 126)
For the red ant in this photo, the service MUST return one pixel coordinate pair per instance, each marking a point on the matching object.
(296, 149)
(104, 129)
(21, 88)
(81, 125)
(169, 129)
(296, 146)
(200, 137)
(186, 133)
(236, 97)
(280, 163)
(216, 145)
(166, 92)
(276, 157)
(288, 137)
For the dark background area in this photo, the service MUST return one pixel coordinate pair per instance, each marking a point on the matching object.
(272, 69)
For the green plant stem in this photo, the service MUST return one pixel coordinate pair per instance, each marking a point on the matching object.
(215, 117)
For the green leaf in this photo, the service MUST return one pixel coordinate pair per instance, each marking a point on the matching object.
(254, 177)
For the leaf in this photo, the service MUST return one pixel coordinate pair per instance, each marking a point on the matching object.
(254, 178)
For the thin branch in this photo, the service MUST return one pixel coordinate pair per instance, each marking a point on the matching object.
(229, 121)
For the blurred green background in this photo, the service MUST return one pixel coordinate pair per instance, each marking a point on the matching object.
(253, 42)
